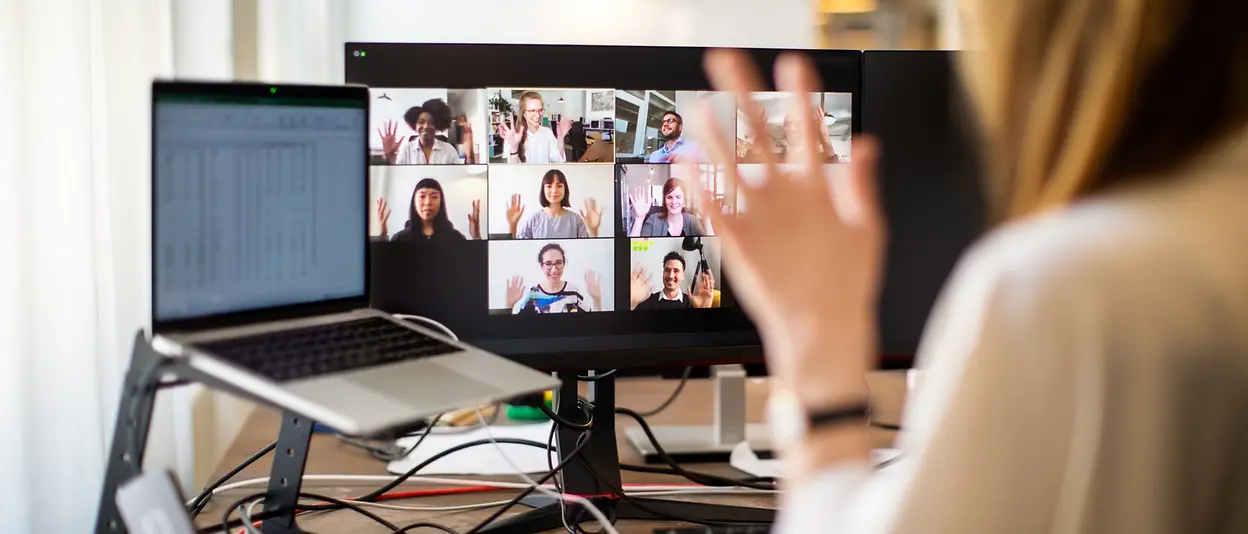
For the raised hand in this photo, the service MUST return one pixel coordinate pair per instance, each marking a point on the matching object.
(592, 214)
(641, 201)
(593, 285)
(515, 290)
(639, 286)
(467, 147)
(514, 212)
(703, 291)
(474, 220)
(383, 215)
(389, 133)
(562, 129)
(512, 132)
(808, 228)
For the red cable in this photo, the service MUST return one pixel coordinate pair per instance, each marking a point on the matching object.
(459, 491)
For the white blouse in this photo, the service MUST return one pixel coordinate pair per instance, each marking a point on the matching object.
(1085, 371)
(541, 147)
(443, 153)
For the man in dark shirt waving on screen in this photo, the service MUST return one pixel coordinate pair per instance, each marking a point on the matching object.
(671, 297)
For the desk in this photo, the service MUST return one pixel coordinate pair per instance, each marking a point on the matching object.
(328, 456)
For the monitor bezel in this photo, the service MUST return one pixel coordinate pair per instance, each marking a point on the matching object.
(596, 66)
(161, 88)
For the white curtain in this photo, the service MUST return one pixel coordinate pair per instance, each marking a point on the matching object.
(74, 92)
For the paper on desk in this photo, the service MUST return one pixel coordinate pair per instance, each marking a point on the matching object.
(744, 459)
(481, 460)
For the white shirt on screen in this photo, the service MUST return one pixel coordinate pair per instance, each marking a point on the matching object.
(680, 296)
(1084, 372)
(541, 147)
(443, 153)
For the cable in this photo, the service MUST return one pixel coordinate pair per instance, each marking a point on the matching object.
(684, 379)
(562, 421)
(495, 484)
(389, 455)
(435, 526)
(732, 482)
(200, 501)
(596, 377)
(656, 513)
(449, 333)
(585, 503)
(576, 451)
(701, 478)
(395, 483)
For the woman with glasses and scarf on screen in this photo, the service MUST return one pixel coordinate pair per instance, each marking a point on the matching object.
(554, 294)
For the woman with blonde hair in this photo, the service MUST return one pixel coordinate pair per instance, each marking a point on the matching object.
(1086, 368)
(526, 140)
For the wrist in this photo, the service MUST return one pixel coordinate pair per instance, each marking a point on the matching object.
(823, 363)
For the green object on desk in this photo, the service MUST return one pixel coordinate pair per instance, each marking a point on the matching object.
(521, 412)
(525, 413)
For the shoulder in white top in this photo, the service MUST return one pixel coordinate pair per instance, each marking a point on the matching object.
(542, 147)
(443, 153)
(1084, 372)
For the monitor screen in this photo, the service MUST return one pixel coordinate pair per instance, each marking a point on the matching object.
(540, 211)
(257, 202)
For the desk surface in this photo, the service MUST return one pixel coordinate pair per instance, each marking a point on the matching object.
(328, 456)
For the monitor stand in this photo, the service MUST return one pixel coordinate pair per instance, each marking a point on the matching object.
(714, 442)
(597, 478)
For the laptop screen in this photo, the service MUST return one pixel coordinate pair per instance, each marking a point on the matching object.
(259, 202)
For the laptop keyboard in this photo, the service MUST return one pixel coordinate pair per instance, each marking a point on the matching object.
(318, 350)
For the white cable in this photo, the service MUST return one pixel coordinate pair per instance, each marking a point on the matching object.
(247, 522)
(674, 489)
(428, 321)
(588, 506)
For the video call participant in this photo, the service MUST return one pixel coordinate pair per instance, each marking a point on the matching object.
(426, 216)
(554, 221)
(675, 144)
(793, 147)
(672, 220)
(531, 142)
(554, 294)
(670, 297)
(425, 148)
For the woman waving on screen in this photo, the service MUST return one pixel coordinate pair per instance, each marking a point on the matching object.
(554, 220)
(530, 142)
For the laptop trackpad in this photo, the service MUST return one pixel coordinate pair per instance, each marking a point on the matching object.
(424, 384)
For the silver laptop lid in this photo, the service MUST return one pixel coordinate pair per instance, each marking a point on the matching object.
(259, 202)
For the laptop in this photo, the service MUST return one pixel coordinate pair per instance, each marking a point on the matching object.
(260, 263)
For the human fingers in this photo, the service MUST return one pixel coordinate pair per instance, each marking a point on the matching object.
(795, 74)
(733, 70)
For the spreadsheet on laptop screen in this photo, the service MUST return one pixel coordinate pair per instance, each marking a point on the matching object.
(258, 204)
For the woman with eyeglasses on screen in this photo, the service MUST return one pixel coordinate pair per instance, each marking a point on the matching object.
(426, 216)
(1085, 369)
(673, 220)
(555, 220)
(526, 140)
(554, 294)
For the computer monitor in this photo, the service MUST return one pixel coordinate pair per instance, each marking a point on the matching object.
(463, 227)
(930, 185)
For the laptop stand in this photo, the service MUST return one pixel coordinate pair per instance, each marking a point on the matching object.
(130, 432)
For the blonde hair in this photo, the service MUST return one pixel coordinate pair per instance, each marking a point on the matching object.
(524, 121)
(1074, 96)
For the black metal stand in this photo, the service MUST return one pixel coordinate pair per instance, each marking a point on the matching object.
(599, 472)
(134, 419)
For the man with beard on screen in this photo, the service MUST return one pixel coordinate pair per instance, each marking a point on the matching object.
(670, 297)
(675, 145)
